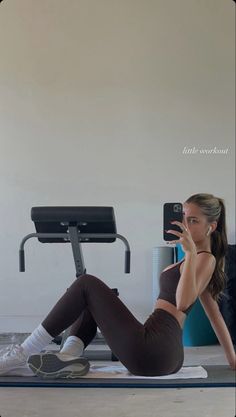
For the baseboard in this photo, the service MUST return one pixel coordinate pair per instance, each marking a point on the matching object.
(19, 323)
(12, 338)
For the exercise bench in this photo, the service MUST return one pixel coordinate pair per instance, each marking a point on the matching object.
(77, 225)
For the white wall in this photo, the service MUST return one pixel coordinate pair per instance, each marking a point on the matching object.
(98, 99)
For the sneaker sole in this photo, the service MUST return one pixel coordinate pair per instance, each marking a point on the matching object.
(50, 366)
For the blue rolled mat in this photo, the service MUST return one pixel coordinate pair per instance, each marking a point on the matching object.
(197, 327)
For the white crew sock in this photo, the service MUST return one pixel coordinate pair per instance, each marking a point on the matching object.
(38, 340)
(73, 346)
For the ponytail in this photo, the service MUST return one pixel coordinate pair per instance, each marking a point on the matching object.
(214, 209)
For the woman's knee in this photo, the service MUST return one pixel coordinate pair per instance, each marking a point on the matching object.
(86, 283)
(84, 280)
(87, 280)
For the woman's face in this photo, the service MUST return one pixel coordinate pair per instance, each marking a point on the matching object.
(196, 221)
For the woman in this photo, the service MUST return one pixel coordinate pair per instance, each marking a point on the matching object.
(151, 349)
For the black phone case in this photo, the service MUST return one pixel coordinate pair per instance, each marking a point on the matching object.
(171, 212)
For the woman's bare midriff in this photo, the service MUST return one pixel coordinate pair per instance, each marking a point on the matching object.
(165, 305)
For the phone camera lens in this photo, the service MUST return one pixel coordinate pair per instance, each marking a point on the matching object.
(177, 208)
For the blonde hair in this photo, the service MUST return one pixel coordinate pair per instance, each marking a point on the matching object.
(214, 209)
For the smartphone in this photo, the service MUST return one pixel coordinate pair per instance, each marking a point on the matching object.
(172, 212)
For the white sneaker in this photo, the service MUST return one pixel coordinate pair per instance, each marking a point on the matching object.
(14, 362)
(58, 365)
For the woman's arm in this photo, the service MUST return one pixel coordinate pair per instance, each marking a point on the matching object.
(197, 270)
(218, 324)
(195, 276)
(186, 291)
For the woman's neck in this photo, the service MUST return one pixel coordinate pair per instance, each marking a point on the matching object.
(200, 249)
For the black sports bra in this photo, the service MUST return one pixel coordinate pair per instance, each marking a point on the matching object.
(169, 280)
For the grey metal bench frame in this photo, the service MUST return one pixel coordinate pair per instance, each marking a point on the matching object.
(75, 238)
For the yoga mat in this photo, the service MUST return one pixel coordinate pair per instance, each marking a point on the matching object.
(217, 376)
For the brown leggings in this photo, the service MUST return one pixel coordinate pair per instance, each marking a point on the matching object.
(154, 348)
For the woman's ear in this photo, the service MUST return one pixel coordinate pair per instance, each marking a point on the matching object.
(213, 226)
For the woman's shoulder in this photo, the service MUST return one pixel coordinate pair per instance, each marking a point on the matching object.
(207, 252)
(208, 257)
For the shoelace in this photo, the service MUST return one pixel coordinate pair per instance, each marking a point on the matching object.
(2, 351)
(13, 349)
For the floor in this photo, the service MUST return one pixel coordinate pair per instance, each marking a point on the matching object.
(124, 402)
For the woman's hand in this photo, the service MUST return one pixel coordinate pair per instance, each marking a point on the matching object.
(185, 238)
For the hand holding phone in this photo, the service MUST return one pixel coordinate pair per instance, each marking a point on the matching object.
(171, 212)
